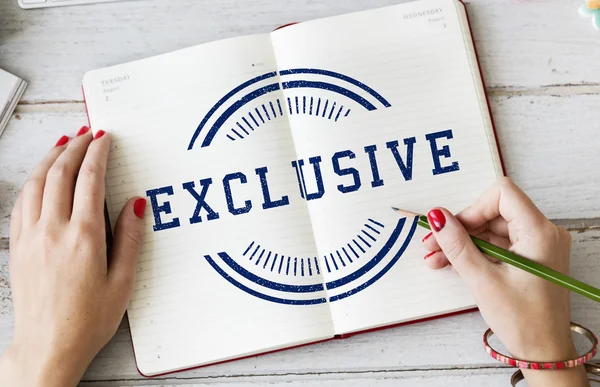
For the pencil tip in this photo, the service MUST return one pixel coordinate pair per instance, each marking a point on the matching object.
(404, 213)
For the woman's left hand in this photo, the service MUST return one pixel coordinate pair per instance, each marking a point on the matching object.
(68, 296)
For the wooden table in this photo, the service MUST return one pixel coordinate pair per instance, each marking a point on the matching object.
(541, 63)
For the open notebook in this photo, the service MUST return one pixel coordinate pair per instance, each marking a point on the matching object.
(270, 163)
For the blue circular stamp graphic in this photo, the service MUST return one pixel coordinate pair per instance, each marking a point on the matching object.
(365, 256)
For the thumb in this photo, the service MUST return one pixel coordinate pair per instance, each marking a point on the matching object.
(457, 245)
(127, 243)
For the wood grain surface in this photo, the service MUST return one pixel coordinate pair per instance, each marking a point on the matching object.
(540, 62)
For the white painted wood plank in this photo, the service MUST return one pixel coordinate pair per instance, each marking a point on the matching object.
(549, 146)
(445, 343)
(550, 149)
(546, 145)
(446, 378)
(521, 44)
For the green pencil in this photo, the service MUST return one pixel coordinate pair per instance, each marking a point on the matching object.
(522, 263)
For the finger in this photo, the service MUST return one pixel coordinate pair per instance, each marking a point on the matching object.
(128, 240)
(458, 247)
(33, 190)
(504, 199)
(88, 202)
(15, 219)
(442, 260)
(430, 243)
(498, 226)
(436, 260)
(494, 239)
(60, 182)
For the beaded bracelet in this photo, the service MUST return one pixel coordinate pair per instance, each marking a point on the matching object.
(545, 365)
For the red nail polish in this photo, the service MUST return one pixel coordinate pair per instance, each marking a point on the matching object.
(83, 130)
(99, 134)
(139, 208)
(437, 220)
(426, 237)
(429, 255)
(62, 141)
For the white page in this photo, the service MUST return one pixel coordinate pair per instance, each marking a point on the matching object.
(415, 58)
(11, 89)
(185, 312)
(8, 86)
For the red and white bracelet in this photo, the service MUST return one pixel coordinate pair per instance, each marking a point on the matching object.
(590, 368)
(545, 365)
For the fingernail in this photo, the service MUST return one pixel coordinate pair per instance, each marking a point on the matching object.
(429, 255)
(99, 134)
(62, 141)
(139, 208)
(437, 220)
(426, 237)
(83, 130)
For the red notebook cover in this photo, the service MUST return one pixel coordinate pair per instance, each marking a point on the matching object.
(341, 336)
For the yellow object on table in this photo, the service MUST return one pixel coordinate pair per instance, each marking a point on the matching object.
(591, 9)
(593, 4)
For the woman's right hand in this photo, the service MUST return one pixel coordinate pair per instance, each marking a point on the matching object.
(530, 316)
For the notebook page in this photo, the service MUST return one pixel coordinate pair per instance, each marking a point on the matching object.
(209, 276)
(11, 89)
(388, 114)
(8, 87)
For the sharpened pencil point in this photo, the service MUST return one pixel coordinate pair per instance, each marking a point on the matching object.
(406, 214)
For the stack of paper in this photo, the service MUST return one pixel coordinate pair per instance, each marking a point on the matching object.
(11, 90)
